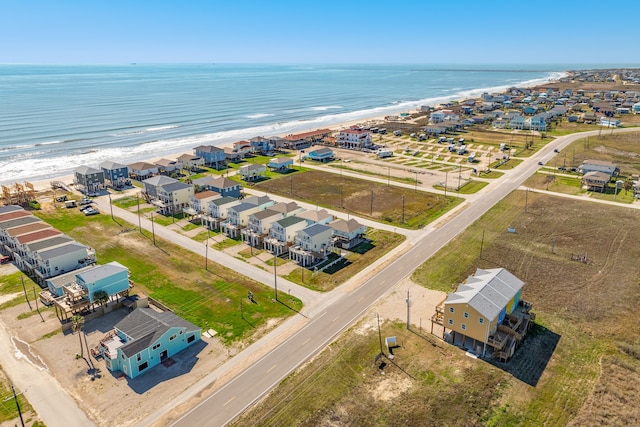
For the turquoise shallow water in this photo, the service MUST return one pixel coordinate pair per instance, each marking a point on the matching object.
(54, 118)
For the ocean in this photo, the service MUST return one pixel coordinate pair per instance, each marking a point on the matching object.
(55, 118)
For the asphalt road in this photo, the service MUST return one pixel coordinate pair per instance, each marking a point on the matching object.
(228, 402)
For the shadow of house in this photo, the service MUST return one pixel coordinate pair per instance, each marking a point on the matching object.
(531, 360)
(183, 363)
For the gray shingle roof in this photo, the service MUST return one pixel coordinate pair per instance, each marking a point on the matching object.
(17, 222)
(145, 326)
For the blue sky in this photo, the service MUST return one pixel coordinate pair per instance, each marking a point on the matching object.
(326, 31)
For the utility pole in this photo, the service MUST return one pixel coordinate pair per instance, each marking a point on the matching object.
(206, 252)
(139, 222)
(380, 334)
(15, 397)
(481, 244)
(388, 176)
(275, 275)
(446, 178)
(526, 199)
(459, 176)
(111, 207)
(416, 188)
(408, 300)
(35, 298)
(153, 230)
(403, 209)
(25, 293)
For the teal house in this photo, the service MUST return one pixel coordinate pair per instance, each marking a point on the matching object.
(144, 339)
(112, 278)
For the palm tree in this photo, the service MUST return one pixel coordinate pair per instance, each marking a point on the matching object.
(78, 323)
(101, 297)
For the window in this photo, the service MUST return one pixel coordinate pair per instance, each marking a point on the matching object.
(481, 320)
(463, 326)
(155, 347)
(143, 366)
(451, 321)
(191, 338)
(466, 315)
(139, 357)
(181, 332)
(451, 309)
(172, 337)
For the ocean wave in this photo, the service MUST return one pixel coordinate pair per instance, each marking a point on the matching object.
(161, 128)
(325, 108)
(259, 115)
(48, 143)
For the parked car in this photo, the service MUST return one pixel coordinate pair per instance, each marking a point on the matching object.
(85, 201)
(91, 211)
(61, 198)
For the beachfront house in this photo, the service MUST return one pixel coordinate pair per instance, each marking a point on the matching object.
(115, 173)
(221, 185)
(486, 313)
(213, 156)
(252, 172)
(142, 170)
(24, 253)
(348, 233)
(166, 166)
(598, 166)
(306, 139)
(189, 162)
(12, 244)
(88, 179)
(263, 146)
(323, 155)
(244, 148)
(354, 138)
(144, 339)
(311, 245)
(280, 164)
(282, 234)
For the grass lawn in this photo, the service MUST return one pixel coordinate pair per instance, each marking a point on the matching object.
(377, 201)
(127, 202)
(176, 277)
(12, 283)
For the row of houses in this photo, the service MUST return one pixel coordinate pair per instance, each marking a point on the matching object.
(308, 236)
(37, 248)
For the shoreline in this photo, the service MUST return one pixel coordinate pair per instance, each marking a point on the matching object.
(44, 184)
